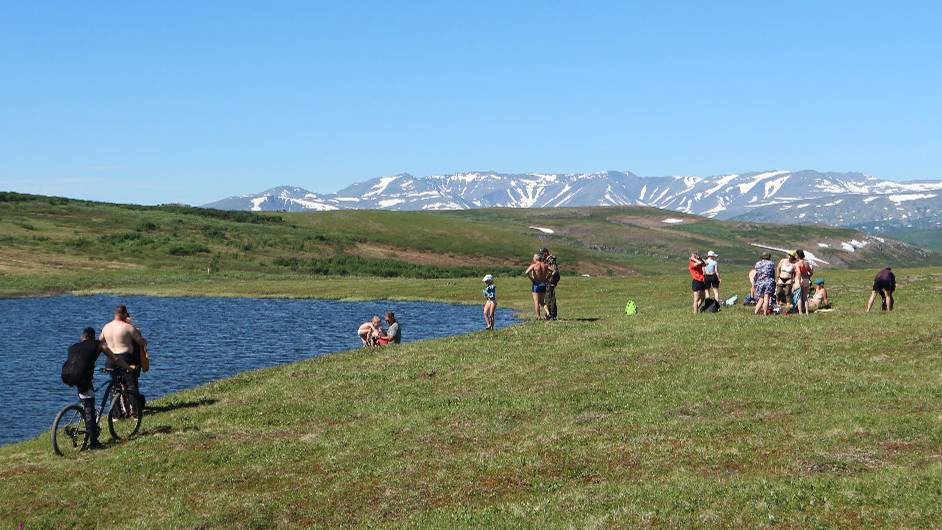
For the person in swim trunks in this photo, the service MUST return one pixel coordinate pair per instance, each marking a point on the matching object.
(539, 275)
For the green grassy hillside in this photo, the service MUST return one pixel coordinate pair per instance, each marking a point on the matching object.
(51, 244)
(595, 421)
(930, 238)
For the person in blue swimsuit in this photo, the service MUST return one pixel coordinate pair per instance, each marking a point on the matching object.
(538, 274)
(490, 301)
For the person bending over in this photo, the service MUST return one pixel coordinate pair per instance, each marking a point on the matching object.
(884, 284)
(370, 331)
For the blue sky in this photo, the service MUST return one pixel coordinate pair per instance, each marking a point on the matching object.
(153, 102)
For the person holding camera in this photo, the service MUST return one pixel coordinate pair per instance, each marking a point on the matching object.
(552, 280)
(698, 281)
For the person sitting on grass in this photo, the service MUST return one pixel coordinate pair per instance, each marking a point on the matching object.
(490, 301)
(393, 334)
(370, 331)
(820, 298)
(884, 285)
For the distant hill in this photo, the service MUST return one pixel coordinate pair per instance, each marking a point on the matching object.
(46, 235)
(831, 198)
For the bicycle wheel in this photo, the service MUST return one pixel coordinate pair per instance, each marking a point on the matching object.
(69, 432)
(124, 417)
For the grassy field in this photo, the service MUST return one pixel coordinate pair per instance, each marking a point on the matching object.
(598, 421)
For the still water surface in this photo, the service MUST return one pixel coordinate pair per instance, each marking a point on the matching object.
(193, 341)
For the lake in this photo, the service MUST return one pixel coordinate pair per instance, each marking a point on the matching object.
(192, 341)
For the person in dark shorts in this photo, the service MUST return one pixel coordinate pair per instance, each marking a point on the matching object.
(711, 275)
(126, 342)
(85, 354)
(697, 283)
(884, 284)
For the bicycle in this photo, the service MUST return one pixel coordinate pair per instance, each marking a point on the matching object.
(70, 434)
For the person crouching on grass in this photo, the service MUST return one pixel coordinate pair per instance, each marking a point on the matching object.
(695, 266)
(490, 301)
(370, 331)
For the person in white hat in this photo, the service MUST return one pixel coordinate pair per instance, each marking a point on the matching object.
(490, 301)
(711, 276)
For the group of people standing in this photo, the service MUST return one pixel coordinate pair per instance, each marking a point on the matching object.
(543, 273)
(786, 284)
(705, 278)
(780, 287)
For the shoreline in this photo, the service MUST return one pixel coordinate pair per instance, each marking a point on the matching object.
(512, 316)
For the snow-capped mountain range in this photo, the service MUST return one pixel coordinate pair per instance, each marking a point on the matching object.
(840, 199)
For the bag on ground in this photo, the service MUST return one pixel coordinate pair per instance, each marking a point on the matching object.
(631, 308)
(709, 305)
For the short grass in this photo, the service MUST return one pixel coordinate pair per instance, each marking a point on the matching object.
(598, 420)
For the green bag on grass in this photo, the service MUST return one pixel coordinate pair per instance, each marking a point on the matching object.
(631, 308)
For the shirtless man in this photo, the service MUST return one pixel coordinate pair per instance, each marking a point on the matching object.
(120, 337)
(538, 273)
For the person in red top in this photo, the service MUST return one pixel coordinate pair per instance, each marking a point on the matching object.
(695, 266)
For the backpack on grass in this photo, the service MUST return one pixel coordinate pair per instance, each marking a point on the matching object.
(631, 308)
(709, 305)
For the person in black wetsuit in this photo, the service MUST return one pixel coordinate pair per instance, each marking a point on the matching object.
(884, 284)
(85, 354)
